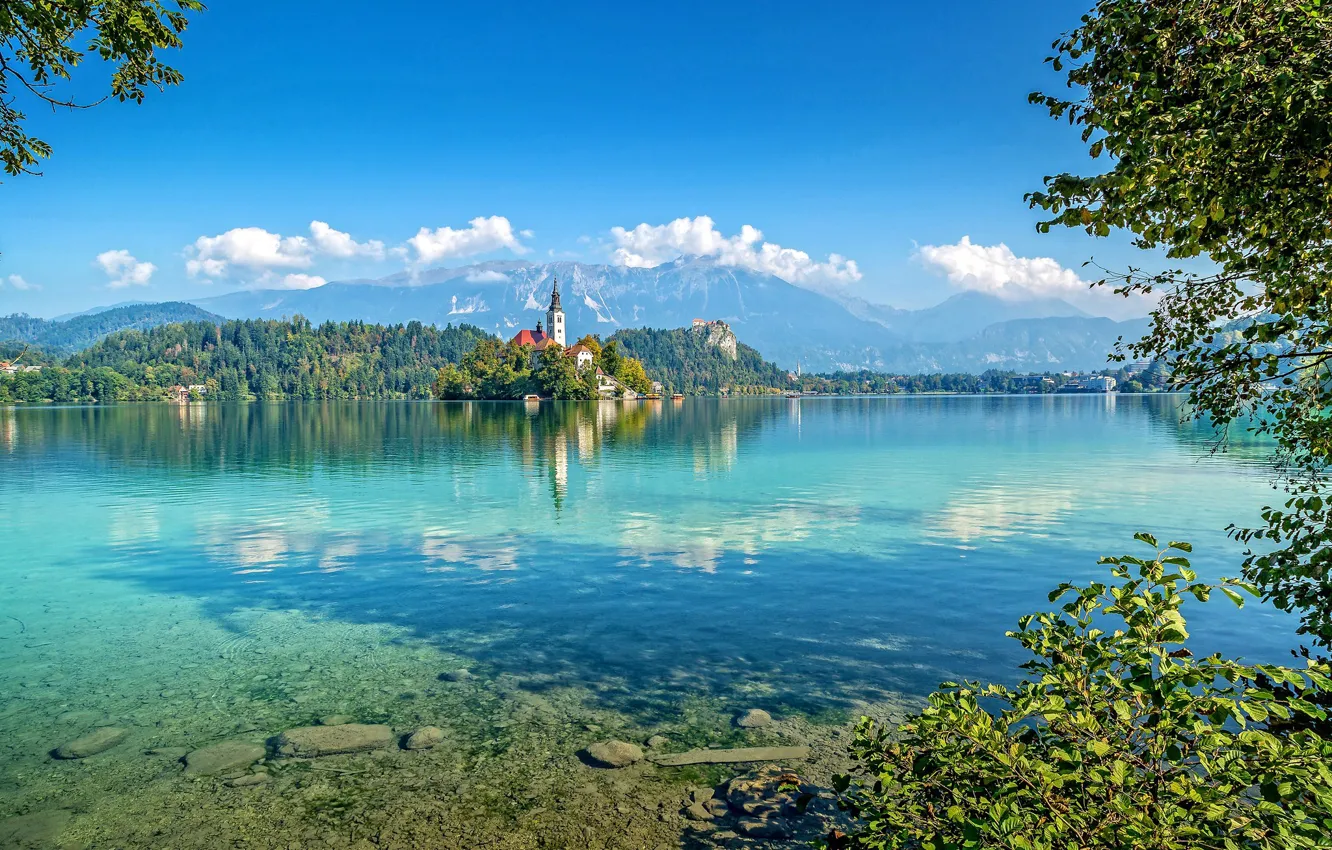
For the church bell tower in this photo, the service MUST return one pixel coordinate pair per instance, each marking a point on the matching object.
(555, 315)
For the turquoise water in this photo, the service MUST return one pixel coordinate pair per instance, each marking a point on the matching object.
(202, 572)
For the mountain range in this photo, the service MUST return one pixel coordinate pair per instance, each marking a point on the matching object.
(969, 332)
(820, 332)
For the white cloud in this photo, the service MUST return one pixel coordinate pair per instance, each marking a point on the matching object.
(995, 269)
(335, 243)
(124, 269)
(487, 276)
(20, 284)
(251, 247)
(302, 281)
(257, 250)
(647, 246)
(481, 236)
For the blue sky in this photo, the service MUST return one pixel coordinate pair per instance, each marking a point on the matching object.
(863, 130)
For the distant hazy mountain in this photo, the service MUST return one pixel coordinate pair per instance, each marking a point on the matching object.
(783, 321)
(82, 330)
(959, 317)
(788, 324)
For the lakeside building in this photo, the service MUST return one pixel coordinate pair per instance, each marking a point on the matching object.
(1090, 384)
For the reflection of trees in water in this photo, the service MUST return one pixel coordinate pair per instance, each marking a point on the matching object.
(296, 438)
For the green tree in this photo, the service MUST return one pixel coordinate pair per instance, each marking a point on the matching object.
(631, 374)
(452, 383)
(37, 52)
(593, 342)
(1214, 120)
(1117, 738)
(609, 358)
(559, 377)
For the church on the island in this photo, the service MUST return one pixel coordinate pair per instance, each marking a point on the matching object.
(554, 334)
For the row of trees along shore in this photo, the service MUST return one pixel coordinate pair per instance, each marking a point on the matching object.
(1212, 117)
(255, 359)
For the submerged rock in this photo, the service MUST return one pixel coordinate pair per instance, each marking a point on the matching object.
(657, 741)
(455, 676)
(312, 741)
(424, 738)
(614, 754)
(248, 780)
(223, 757)
(754, 718)
(93, 743)
(697, 812)
(336, 720)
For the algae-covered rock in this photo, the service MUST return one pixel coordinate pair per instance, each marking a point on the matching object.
(424, 738)
(754, 718)
(312, 741)
(336, 720)
(223, 757)
(93, 743)
(614, 754)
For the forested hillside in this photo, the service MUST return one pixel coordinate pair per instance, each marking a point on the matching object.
(254, 359)
(79, 332)
(698, 361)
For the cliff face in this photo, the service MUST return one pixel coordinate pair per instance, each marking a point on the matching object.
(720, 335)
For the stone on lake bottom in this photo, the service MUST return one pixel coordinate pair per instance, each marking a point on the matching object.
(93, 743)
(614, 754)
(754, 718)
(312, 741)
(697, 812)
(248, 780)
(223, 757)
(336, 720)
(455, 676)
(657, 741)
(425, 738)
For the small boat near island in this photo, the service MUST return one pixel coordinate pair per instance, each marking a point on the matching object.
(677, 396)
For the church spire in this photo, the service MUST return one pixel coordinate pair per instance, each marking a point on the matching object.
(555, 294)
(555, 315)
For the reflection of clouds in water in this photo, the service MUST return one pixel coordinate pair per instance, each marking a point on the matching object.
(271, 541)
(134, 523)
(998, 511)
(649, 539)
(340, 554)
(443, 545)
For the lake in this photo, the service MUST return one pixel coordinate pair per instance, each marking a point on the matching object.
(534, 578)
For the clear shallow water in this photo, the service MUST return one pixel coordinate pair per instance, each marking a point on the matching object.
(189, 571)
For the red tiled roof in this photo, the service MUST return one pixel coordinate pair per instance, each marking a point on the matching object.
(545, 342)
(526, 337)
(577, 349)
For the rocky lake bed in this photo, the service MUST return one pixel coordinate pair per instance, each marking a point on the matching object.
(314, 733)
